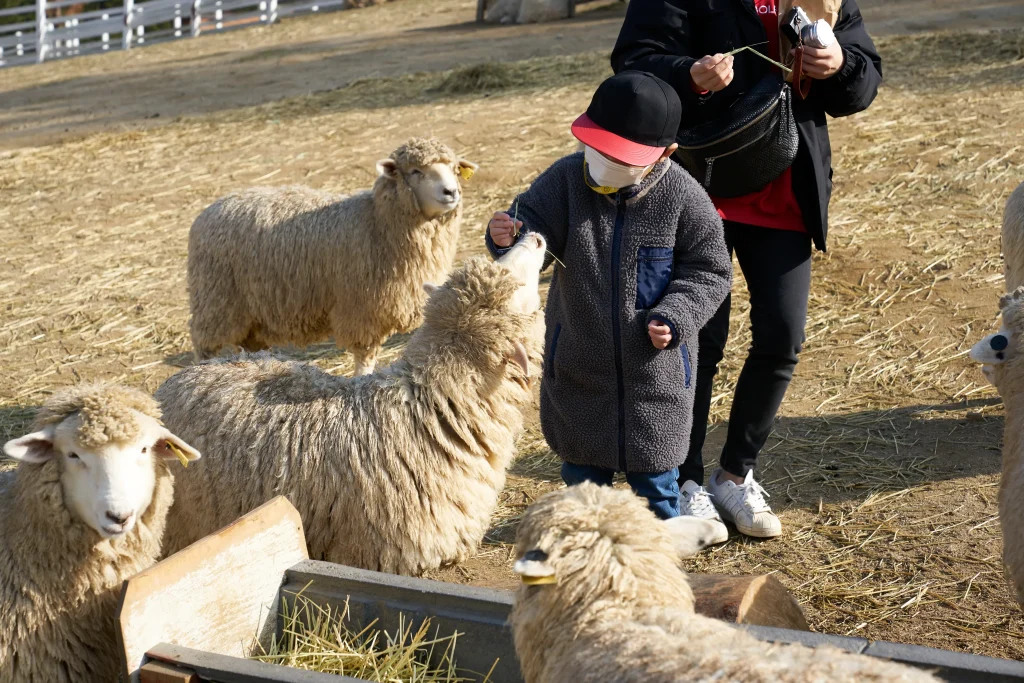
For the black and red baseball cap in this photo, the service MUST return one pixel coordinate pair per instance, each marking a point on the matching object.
(632, 117)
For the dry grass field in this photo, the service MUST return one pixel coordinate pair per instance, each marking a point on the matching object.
(884, 462)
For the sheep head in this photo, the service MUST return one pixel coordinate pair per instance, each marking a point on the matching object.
(485, 314)
(997, 351)
(431, 171)
(106, 440)
(589, 543)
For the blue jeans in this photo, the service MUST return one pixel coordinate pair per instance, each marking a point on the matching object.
(661, 489)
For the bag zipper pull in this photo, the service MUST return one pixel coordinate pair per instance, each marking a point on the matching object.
(707, 173)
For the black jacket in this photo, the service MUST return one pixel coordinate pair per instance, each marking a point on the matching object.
(665, 37)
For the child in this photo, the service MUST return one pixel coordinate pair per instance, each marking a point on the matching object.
(643, 265)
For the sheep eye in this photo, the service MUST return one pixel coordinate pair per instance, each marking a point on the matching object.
(536, 555)
(416, 173)
(73, 456)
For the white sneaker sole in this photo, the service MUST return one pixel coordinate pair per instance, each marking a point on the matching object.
(753, 532)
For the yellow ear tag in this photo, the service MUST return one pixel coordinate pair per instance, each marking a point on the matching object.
(177, 452)
(600, 189)
(466, 172)
(539, 580)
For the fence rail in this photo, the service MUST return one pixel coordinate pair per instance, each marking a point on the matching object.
(57, 29)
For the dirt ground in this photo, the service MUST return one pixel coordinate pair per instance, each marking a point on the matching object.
(884, 462)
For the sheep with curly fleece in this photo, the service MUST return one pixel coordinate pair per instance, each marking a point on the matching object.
(84, 511)
(292, 265)
(398, 471)
(604, 599)
(1013, 240)
(1003, 365)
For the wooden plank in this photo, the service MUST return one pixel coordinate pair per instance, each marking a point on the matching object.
(158, 672)
(224, 669)
(218, 593)
(757, 600)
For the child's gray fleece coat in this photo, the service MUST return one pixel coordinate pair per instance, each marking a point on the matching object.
(653, 251)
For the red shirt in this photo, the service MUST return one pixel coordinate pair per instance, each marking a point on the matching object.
(773, 206)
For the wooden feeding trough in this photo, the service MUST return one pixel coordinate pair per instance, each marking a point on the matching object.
(197, 615)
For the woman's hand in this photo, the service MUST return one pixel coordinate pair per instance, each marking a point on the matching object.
(503, 232)
(822, 62)
(660, 334)
(713, 72)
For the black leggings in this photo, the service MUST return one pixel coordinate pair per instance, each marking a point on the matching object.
(777, 267)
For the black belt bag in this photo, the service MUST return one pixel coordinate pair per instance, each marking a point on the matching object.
(747, 146)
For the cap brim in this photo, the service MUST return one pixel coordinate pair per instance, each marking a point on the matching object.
(626, 151)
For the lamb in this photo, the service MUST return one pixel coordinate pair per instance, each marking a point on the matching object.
(291, 265)
(603, 598)
(398, 471)
(1003, 365)
(84, 510)
(1013, 240)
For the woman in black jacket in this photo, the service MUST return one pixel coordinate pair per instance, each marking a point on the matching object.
(771, 231)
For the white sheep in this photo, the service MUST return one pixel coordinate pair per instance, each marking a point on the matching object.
(398, 471)
(604, 599)
(291, 265)
(84, 511)
(526, 11)
(1003, 365)
(1013, 240)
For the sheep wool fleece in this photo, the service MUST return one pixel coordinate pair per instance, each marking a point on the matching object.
(655, 251)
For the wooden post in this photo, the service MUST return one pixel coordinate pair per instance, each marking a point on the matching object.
(480, 7)
(196, 19)
(40, 30)
(272, 12)
(126, 36)
(759, 600)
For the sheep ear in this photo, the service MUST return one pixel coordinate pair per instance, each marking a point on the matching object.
(533, 568)
(170, 447)
(387, 167)
(430, 288)
(467, 169)
(35, 448)
(690, 535)
(521, 358)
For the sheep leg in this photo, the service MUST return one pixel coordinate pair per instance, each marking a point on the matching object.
(366, 360)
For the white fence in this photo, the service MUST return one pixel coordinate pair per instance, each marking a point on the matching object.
(54, 29)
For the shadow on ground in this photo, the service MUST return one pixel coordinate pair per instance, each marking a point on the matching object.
(837, 458)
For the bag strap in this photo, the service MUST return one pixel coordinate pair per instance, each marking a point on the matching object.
(800, 84)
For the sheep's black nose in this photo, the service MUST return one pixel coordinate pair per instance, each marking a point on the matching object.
(118, 518)
(999, 342)
(450, 193)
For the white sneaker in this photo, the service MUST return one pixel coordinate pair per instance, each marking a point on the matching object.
(744, 506)
(695, 501)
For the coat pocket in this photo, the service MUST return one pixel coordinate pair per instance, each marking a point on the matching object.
(653, 273)
(550, 363)
(686, 364)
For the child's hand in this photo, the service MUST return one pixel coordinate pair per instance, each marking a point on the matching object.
(503, 231)
(660, 334)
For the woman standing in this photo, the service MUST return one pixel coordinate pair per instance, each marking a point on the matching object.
(771, 231)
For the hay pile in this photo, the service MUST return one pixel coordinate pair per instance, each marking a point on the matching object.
(318, 638)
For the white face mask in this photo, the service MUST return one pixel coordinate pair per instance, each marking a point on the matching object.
(608, 173)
